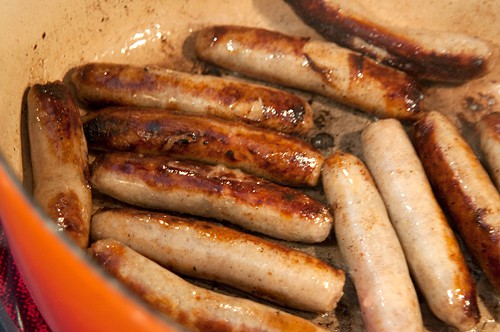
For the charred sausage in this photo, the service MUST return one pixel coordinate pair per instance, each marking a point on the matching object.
(212, 191)
(265, 153)
(104, 84)
(429, 55)
(489, 140)
(464, 188)
(315, 66)
(59, 159)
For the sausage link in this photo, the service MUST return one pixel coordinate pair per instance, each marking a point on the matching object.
(195, 308)
(370, 247)
(315, 66)
(489, 140)
(104, 84)
(265, 153)
(429, 55)
(59, 159)
(464, 188)
(209, 251)
(430, 247)
(212, 191)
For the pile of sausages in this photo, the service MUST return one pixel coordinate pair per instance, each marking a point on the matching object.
(226, 159)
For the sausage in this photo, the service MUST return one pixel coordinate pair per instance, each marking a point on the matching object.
(429, 55)
(265, 153)
(209, 251)
(104, 84)
(59, 159)
(255, 204)
(488, 129)
(315, 66)
(464, 189)
(195, 308)
(370, 247)
(432, 252)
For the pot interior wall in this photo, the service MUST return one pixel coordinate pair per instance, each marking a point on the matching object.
(41, 41)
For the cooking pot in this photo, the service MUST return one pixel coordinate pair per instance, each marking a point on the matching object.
(42, 40)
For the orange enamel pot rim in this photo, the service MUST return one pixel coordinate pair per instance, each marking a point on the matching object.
(70, 290)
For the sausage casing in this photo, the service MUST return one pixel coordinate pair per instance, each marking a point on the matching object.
(209, 251)
(464, 188)
(104, 84)
(212, 191)
(195, 308)
(265, 153)
(59, 159)
(430, 55)
(489, 140)
(316, 66)
(370, 246)
(432, 252)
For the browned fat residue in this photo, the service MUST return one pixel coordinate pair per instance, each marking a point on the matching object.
(402, 91)
(60, 118)
(257, 39)
(163, 172)
(66, 210)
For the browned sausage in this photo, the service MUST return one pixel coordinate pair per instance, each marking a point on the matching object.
(59, 159)
(212, 191)
(489, 140)
(209, 251)
(317, 66)
(430, 55)
(103, 84)
(464, 188)
(194, 307)
(266, 153)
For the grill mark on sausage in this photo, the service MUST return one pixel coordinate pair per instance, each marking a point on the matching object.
(164, 172)
(285, 159)
(57, 113)
(281, 110)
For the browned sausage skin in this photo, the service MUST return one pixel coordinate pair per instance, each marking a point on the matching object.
(265, 153)
(488, 129)
(193, 307)
(59, 159)
(429, 55)
(253, 203)
(214, 252)
(104, 84)
(316, 66)
(464, 188)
